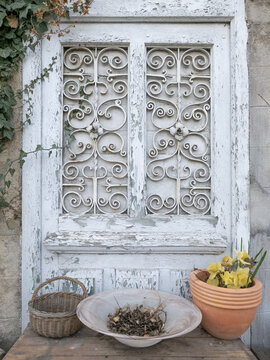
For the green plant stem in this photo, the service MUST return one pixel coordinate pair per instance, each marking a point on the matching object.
(10, 170)
(257, 268)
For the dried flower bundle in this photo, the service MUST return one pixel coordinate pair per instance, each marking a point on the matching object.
(139, 321)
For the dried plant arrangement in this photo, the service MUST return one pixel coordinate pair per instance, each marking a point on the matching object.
(138, 321)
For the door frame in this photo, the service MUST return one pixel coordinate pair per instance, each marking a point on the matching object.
(32, 173)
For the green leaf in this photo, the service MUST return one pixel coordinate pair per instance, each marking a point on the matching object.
(17, 5)
(41, 27)
(4, 123)
(2, 16)
(8, 162)
(8, 134)
(18, 47)
(23, 13)
(7, 183)
(23, 154)
(257, 268)
(258, 254)
(3, 202)
(5, 53)
(11, 171)
(31, 47)
(10, 35)
(35, 8)
(39, 148)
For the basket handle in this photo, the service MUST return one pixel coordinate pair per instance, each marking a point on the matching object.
(59, 278)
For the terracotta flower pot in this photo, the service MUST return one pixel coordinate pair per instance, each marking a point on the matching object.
(226, 313)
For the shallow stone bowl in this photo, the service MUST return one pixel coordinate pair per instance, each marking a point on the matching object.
(182, 315)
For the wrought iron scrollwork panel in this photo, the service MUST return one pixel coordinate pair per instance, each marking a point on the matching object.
(95, 166)
(178, 128)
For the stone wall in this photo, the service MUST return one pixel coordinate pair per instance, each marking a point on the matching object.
(10, 246)
(258, 17)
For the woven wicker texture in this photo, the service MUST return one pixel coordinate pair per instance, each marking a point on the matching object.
(54, 315)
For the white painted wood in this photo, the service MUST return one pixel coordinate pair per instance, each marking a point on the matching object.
(240, 135)
(149, 19)
(136, 278)
(176, 281)
(240, 129)
(81, 246)
(137, 129)
(134, 243)
(181, 9)
(119, 222)
(138, 270)
(31, 188)
(91, 278)
(133, 261)
(214, 35)
(51, 165)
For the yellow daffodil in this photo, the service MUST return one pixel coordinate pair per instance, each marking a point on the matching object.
(234, 273)
(214, 269)
(227, 278)
(242, 255)
(214, 282)
(243, 276)
(233, 282)
(227, 261)
(236, 279)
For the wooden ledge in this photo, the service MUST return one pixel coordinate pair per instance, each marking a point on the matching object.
(134, 243)
(89, 345)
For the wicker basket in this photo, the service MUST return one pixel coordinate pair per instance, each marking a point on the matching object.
(54, 315)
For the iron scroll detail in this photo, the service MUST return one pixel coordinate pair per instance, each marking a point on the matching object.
(178, 127)
(95, 167)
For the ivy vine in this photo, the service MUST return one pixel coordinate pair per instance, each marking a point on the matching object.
(23, 24)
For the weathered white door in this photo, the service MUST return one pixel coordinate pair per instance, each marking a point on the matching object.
(144, 187)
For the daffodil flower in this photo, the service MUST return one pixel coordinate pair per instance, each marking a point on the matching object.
(234, 284)
(227, 261)
(227, 278)
(242, 256)
(234, 273)
(214, 269)
(236, 279)
(214, 282)
(243, 276)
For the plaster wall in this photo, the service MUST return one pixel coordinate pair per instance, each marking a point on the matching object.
(258, 17)
(10, 243)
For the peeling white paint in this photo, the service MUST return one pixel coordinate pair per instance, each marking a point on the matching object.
(198, 227)
(31, 179)
(168, 8)
(136, 278)
(149, 251)
(135, 243)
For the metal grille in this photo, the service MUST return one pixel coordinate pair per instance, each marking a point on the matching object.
(178, 131)
(95, 173)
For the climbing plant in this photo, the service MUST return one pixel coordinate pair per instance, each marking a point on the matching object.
(23, 23)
